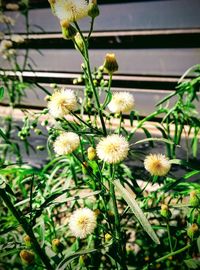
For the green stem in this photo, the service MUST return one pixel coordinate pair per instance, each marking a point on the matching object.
(118, 234)
(28, 230)
(172, 253)
(169, 236)
(87, 63)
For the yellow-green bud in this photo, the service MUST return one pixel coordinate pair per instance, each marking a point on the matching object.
(27, 257)
(110, 63)
(68, 31)
(194, 199)
(27, 241)
(84, 167)
(192, 230)
(38, 131)
(40, 147)
(107, 237)
(97, 212)
(94, 10)
(165, 212)
(84, 260)
(79, 42)
(91, 153)
(57, 246)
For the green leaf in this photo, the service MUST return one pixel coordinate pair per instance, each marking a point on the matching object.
(155, 139)
(198, 243)
(137, 211)
(70, 257)
(192, 263)
(1, 93)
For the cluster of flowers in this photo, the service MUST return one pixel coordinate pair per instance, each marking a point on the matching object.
(111, 149)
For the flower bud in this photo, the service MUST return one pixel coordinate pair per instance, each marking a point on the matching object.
(38, 131)
(110, 63)
(79, 43)
(192, 230)
(91, 153)
(84, 167)
(165, 212)
(68, 31)
(27, 241)
(40, 147)
(97, 212)
(57, 246)
(27, 257)
(94, 10)
(84, 260)
(194, 199)
(108, 237)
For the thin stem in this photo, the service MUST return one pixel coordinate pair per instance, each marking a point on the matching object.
(173, 253)
(91, 29)
(118, 234)
(27, 228)
(87, 63)
(169, 236)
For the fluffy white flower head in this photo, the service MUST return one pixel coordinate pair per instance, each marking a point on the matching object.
(113, 149)
(62, 102)
(12, 6)
(121, 102)
(71, 10)
(17, 38)
(82, 222)
(157, 164)
(66, 143)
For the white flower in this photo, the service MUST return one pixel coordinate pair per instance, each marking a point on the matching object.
(71, 10)
(62, 102)
(121, 102)
(6, 19)
(5, 44)
(66, 143)
(5, 49)
(82, 222)
(157, 164)
(17, 38)
(113, 149)
(12, 6)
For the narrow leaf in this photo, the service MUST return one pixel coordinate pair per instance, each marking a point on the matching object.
(155, 139)
(137, 211)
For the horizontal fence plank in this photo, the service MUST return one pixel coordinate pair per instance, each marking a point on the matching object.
(166, 62)
(127, 81)
(173, 38)
(34, 98)
(140, 15)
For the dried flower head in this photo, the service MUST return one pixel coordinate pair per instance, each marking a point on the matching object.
(113, 149)
(121, 102)
(70, 10)
(62, 102)
(157, 164)
(66, 143)
(82, 222)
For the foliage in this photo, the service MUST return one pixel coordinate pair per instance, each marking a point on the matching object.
(144, 220)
